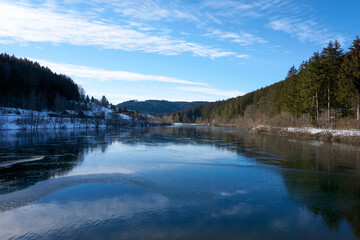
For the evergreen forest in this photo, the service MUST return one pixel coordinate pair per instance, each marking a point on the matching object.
(324, 91)
(157, 106)
(26, 84)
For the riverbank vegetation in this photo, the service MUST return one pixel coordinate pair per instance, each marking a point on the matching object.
(324, 91)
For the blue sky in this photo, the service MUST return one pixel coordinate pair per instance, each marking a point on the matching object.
(174, 50)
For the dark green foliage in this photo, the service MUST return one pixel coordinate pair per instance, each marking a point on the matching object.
(225, 110)
(26, 84)
(331, 58)
(310, 83)
(328, 82)
(348, 92)
(104, 102)
(157, 106)
(349, 76)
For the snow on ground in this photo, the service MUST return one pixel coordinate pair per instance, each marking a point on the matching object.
(126, 117)
(313, 131)
(334, 132)
(13, 118)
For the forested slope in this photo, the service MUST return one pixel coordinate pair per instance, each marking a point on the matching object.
(28, 85)
(324, 90)
(157, 106)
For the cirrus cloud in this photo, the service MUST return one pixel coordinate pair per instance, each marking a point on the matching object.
(78, 71)
(28, 23)
(212, 91)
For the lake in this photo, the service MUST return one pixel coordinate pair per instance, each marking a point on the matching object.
(180, 182)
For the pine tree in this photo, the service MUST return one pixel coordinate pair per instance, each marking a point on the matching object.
(291, 92)
(59, 103)
(104, 101)
(310, 85)
(349, 79)
(331, 60)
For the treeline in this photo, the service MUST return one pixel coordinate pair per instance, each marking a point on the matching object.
(26, 84)
(157, 106)
(321, 91)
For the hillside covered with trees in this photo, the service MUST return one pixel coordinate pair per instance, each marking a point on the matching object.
(157, 106)
(323, 91)
(25, 84)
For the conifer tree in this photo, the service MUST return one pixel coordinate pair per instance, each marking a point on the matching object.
(310, 85)
(104, 101)
(291, 94)
(349, 79)
(331, 60)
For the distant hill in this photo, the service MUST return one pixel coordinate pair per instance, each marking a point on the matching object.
(158, 106)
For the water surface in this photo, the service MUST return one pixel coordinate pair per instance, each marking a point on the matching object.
(176, 183)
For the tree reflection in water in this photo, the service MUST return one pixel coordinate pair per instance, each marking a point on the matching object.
(322, 177)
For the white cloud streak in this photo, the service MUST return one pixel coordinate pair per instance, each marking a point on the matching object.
(212, 91)
(47, 22)
(243, 39)
(292, 17)
(86, 75)
(242, 56)
(78, 71)
(27, 23)
(307, 30)
(152, 10)
(250, 9)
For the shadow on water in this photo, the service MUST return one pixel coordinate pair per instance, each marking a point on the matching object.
(322, 177)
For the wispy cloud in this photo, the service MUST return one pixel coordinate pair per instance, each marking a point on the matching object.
(78, 71)
(242, 56)
(27, 23)
(212, 91)
(241, 9)
(243, 38)
(292, 17)
(96, 81)
(229, 8)
(305, 30)
(142, 26)
(152, 10)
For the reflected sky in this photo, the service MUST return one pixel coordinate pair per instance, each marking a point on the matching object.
(177, 183)
(144, 158)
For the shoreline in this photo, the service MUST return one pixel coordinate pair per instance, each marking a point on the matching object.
(348, 136)
(97, 118)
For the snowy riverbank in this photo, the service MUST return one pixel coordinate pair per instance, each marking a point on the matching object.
(96, 117)
(333, 135)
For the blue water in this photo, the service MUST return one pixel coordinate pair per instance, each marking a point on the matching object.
(176, 183)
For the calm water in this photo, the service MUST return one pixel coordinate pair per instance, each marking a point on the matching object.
(176, 183)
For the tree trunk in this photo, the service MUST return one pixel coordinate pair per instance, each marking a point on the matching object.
(329, 102)
(317, 108)
(357, 111)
